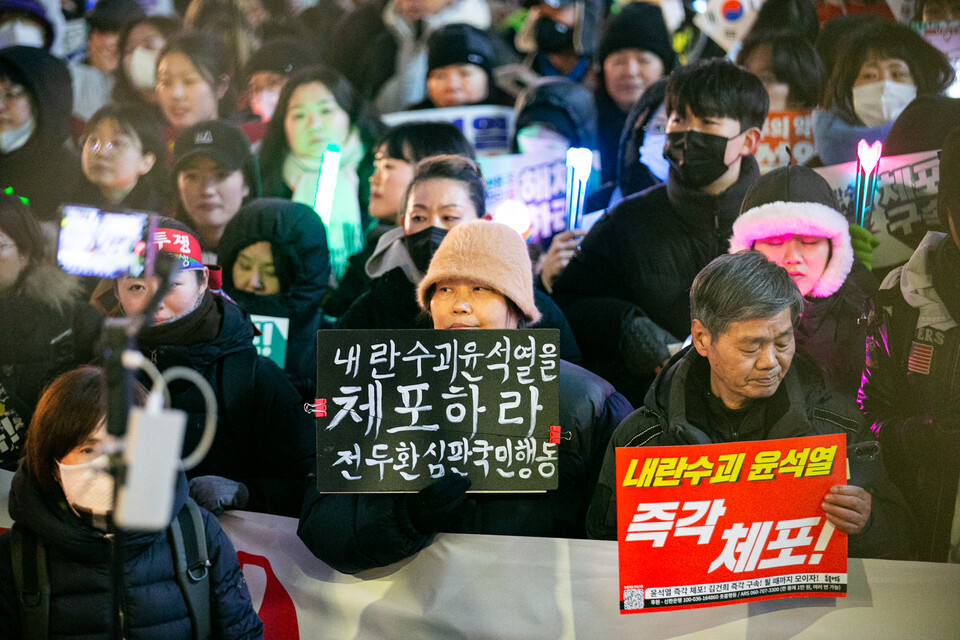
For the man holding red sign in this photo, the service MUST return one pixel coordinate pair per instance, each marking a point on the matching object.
(737, 384)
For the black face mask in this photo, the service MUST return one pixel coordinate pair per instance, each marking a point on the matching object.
(697, 157)
(423, 244)
(552, 37)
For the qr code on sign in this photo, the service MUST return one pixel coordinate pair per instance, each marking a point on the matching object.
(633, 598)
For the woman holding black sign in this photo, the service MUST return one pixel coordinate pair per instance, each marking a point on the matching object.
(479, 278)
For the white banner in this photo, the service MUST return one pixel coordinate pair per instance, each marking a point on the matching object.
(489, 128)
(904, 205)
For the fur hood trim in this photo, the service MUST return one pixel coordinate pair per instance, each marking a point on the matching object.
(800, 218)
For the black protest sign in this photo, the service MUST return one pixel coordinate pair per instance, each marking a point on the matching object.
(398, 409)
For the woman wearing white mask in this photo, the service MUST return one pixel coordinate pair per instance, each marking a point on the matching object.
(62, 496)
(25, 22)
(35, 104)
(882, 68)
(140, 44)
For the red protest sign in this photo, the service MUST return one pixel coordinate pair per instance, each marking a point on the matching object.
(706, 525)
(785, 134)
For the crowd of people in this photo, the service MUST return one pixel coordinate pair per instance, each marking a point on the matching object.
(714, 301)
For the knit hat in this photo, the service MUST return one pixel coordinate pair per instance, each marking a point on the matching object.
(37, 12)
(797, 201)
(285, 56)
(221, 141)
(488, 253)
(459, 44)
(639, 25)
(114, 15)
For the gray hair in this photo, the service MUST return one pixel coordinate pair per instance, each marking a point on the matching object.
(742, 286)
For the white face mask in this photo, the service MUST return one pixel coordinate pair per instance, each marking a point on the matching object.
(15, 138)
(880, 102)
(14, 32)
(536, 139)
(142, 68)
(88, 486)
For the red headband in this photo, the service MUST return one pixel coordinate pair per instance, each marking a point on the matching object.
(182, 244)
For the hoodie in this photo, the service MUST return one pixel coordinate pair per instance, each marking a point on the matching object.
(46, 169)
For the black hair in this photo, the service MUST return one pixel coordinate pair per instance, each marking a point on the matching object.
(793, 61)
(797, 16)
(205, 51)
(414, 141)
(457, 168)
(123, 90)
(718, 88)
(142, 123)
(19, 223)
(275, 148)
(931, 71)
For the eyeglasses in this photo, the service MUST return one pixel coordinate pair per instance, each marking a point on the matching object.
(107, 146)
(15, 92)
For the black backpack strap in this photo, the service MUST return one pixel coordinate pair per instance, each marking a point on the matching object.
(33, 585)
(192, 565)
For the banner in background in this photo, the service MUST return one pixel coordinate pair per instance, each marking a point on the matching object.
(706, 525)
(275, 333)
(489, 128)
(785, 134)
(398, 409)
(904, 205)
(528, 185)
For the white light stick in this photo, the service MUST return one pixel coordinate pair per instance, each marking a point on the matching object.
(579, 163)
(327, 182)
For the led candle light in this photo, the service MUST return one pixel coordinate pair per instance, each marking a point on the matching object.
(868, 165)
(327, 182)
(579, 162)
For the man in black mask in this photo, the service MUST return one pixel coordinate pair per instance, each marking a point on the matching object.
(626, 291)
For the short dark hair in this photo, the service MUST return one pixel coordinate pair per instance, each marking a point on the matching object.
(794, 62)
(718, 88)
(931, 71)
(448, 167)
(797, 16)
(742, 286)
(414, 141)
(142, 123)
(70, 409)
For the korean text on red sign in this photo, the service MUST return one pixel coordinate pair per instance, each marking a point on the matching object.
(706, 525)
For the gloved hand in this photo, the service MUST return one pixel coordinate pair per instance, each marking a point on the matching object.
(863, 242)
(440, 504)
(216, 494)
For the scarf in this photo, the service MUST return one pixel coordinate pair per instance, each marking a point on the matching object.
(345, 233)
(917, 284)
(200, 325)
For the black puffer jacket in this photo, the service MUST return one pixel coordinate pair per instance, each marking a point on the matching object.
(47, 330)
(298, 241)
(45, 169)
(679, 410)
(264, 439)
(81, 597)
(354, 532)
(911, 389)
(639, 260)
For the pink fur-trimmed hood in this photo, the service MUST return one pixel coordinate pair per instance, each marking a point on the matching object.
(800, 218)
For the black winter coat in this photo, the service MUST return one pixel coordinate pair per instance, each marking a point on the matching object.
(391, 303)
(911, 397)
(355, 532)
(639, 260)
(81, 596)
(677, 411)
(46, 169)
(264, 438)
